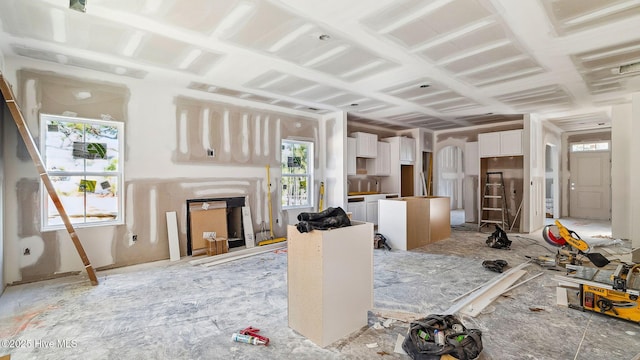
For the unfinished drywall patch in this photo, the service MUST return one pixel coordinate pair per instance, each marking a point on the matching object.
(218, 133)
(471, 134)
(56, 94)
(148, 223)
(38, 253)
(382, 133)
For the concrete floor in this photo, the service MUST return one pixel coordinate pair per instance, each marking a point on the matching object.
(176, 310)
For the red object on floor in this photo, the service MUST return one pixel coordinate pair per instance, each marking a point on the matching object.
(251, 331)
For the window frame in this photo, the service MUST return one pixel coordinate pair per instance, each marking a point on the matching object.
(595, 143)
(308, 175)
(119, 173)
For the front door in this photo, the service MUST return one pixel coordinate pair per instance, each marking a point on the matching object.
(590, 185)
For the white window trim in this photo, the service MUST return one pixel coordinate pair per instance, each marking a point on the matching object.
(590, 142)
(310, 182)
(44, 194)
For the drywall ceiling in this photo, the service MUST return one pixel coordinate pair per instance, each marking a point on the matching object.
(439, 64)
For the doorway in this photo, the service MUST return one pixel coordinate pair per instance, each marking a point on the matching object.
(406, 180)
(427, 173)
(590, 180)
(552, 189)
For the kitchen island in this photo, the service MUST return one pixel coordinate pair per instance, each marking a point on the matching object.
(414, 221)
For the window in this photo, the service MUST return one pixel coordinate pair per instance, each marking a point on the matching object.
(297, 174)
(595, 146)
(83, 160)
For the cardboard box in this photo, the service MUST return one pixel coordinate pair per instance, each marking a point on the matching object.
(207, 217)
(217, 246)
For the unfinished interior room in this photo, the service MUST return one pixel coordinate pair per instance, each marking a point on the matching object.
(293, 179)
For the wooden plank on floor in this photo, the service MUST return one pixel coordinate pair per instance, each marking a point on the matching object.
(238, 254)
(487, 288)
(247, 225)
(479, 303)
(403, 316)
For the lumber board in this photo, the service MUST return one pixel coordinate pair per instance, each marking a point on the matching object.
(459, 306)
(239, 254)
(397, 315)
(32, 149)
(479, 303)
(172, 232)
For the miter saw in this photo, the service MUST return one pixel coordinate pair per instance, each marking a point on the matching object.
(572, 248)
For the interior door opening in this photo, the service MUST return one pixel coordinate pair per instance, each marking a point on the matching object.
(552, 189)
(406, 180)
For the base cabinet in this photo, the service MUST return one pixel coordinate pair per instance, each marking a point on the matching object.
(358, 210)
(330, 281)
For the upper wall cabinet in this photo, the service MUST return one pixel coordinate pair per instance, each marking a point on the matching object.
(407, 149)
(501, 143)
(351, 156)
(366, 144)
(381, 165)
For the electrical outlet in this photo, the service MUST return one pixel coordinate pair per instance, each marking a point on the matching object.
(134, 237)
(211, 153)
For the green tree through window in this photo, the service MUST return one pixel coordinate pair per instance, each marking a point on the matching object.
(297, 174)
(82, 157)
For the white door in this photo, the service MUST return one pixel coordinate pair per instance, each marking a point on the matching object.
(590, 185)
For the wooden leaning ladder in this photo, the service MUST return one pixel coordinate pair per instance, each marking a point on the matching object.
(37, 159)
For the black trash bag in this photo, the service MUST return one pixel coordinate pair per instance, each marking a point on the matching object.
(380, 242)
(329, 218)
(495, 265)
(422, 342)
(498, 239)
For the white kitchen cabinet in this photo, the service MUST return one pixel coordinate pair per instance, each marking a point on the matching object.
(366, 144)
(372, 207)
(372, 212)
(358, 210)
(501, 143)
(407, 149)
(381, 165)
(511, 142)
(351, 156)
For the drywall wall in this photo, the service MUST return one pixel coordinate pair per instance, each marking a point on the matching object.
(168, 131)
(634, 165)
(621, 158)
(4, 116)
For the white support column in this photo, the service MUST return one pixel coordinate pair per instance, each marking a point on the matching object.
(634, 172)
(333, 134)
(621, 140)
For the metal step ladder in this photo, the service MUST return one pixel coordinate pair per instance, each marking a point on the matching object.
(494, 200)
